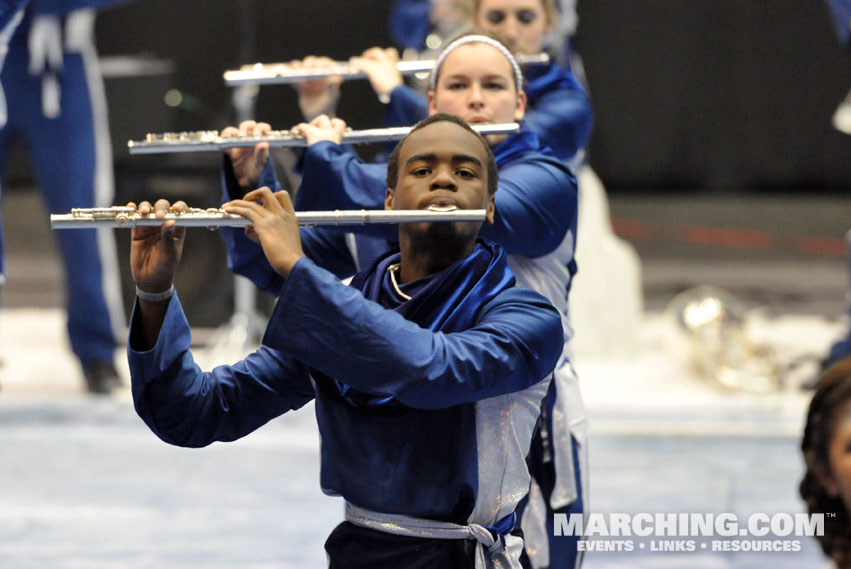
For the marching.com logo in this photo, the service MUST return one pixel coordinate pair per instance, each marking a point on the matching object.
(601, 531)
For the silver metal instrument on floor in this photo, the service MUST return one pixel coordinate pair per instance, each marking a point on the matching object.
(280, 73)
(213, 218)
(211, 140)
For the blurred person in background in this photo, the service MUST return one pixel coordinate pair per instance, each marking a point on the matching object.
(56, 104)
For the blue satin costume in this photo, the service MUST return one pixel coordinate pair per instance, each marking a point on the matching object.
(421, 404)
(535, 221)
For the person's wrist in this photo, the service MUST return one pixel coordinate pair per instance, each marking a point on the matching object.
(285, 267)
(155, 296)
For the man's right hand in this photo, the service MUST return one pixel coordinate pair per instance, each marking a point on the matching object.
(248, 163)
(155, 251)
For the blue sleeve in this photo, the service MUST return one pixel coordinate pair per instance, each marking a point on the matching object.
(515, 343)
(187, 407)
(245, 257)
(536, 205)
(406, 107)
(325, 246)
(334, 178)
(840, 11)
(409, 23)
(68, 6)
(562, 119)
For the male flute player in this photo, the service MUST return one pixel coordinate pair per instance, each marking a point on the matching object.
(428, 371)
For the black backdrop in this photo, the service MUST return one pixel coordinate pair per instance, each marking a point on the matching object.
(709, 94)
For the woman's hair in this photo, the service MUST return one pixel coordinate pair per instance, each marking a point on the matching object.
(549, 6)
(832, 394)
(476, 36)
(490, 167)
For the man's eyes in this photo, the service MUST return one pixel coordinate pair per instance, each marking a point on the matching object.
(466, 174)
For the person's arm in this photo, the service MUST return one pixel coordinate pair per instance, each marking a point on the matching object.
(515, 343)
(187, 407)
(326, 246)
(180, 403)
(410, 23)
(562, 118)
(536, 205)
(406, 107)
(840, 11)
(334, 178)
(328, 326)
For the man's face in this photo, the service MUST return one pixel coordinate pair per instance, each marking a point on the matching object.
(476, 83)
(521, 24)
(442, 166)
(839, 457)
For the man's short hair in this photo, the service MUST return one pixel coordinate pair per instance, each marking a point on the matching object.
(393, 162)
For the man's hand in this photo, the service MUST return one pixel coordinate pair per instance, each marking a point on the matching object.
(381, 66)
(322, 128)
(248, 163)
(274, 226)
(154, 256)
(155, 251)
(318, 96)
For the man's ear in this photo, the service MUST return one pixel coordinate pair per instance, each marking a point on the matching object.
(491, 209)
(388, 199)
(432, 106)
(520, 106)
(823, 474)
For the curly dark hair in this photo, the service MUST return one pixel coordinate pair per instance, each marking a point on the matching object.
(832, 394)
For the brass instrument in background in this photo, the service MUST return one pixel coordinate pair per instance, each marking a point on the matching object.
(711, 336)
(211, 140)
(281, 73)
(213, 218)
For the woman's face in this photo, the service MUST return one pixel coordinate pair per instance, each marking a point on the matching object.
(839, 457)
(476, 83)
(521, 24)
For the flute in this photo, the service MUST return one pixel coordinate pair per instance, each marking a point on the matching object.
(280, 73)
(213, 218)
(211, 140)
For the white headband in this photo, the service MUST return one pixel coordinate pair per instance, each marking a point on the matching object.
(518, 76)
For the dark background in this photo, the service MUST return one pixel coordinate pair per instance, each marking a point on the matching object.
(713, 95)
(705, 112)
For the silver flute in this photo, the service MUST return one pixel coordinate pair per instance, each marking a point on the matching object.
(213, 218)
(211, 140)
(279, 73)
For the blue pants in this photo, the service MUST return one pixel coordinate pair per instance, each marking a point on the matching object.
(63, 152)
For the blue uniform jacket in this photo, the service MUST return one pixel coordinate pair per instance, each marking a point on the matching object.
(429, 455)
(558, 110)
